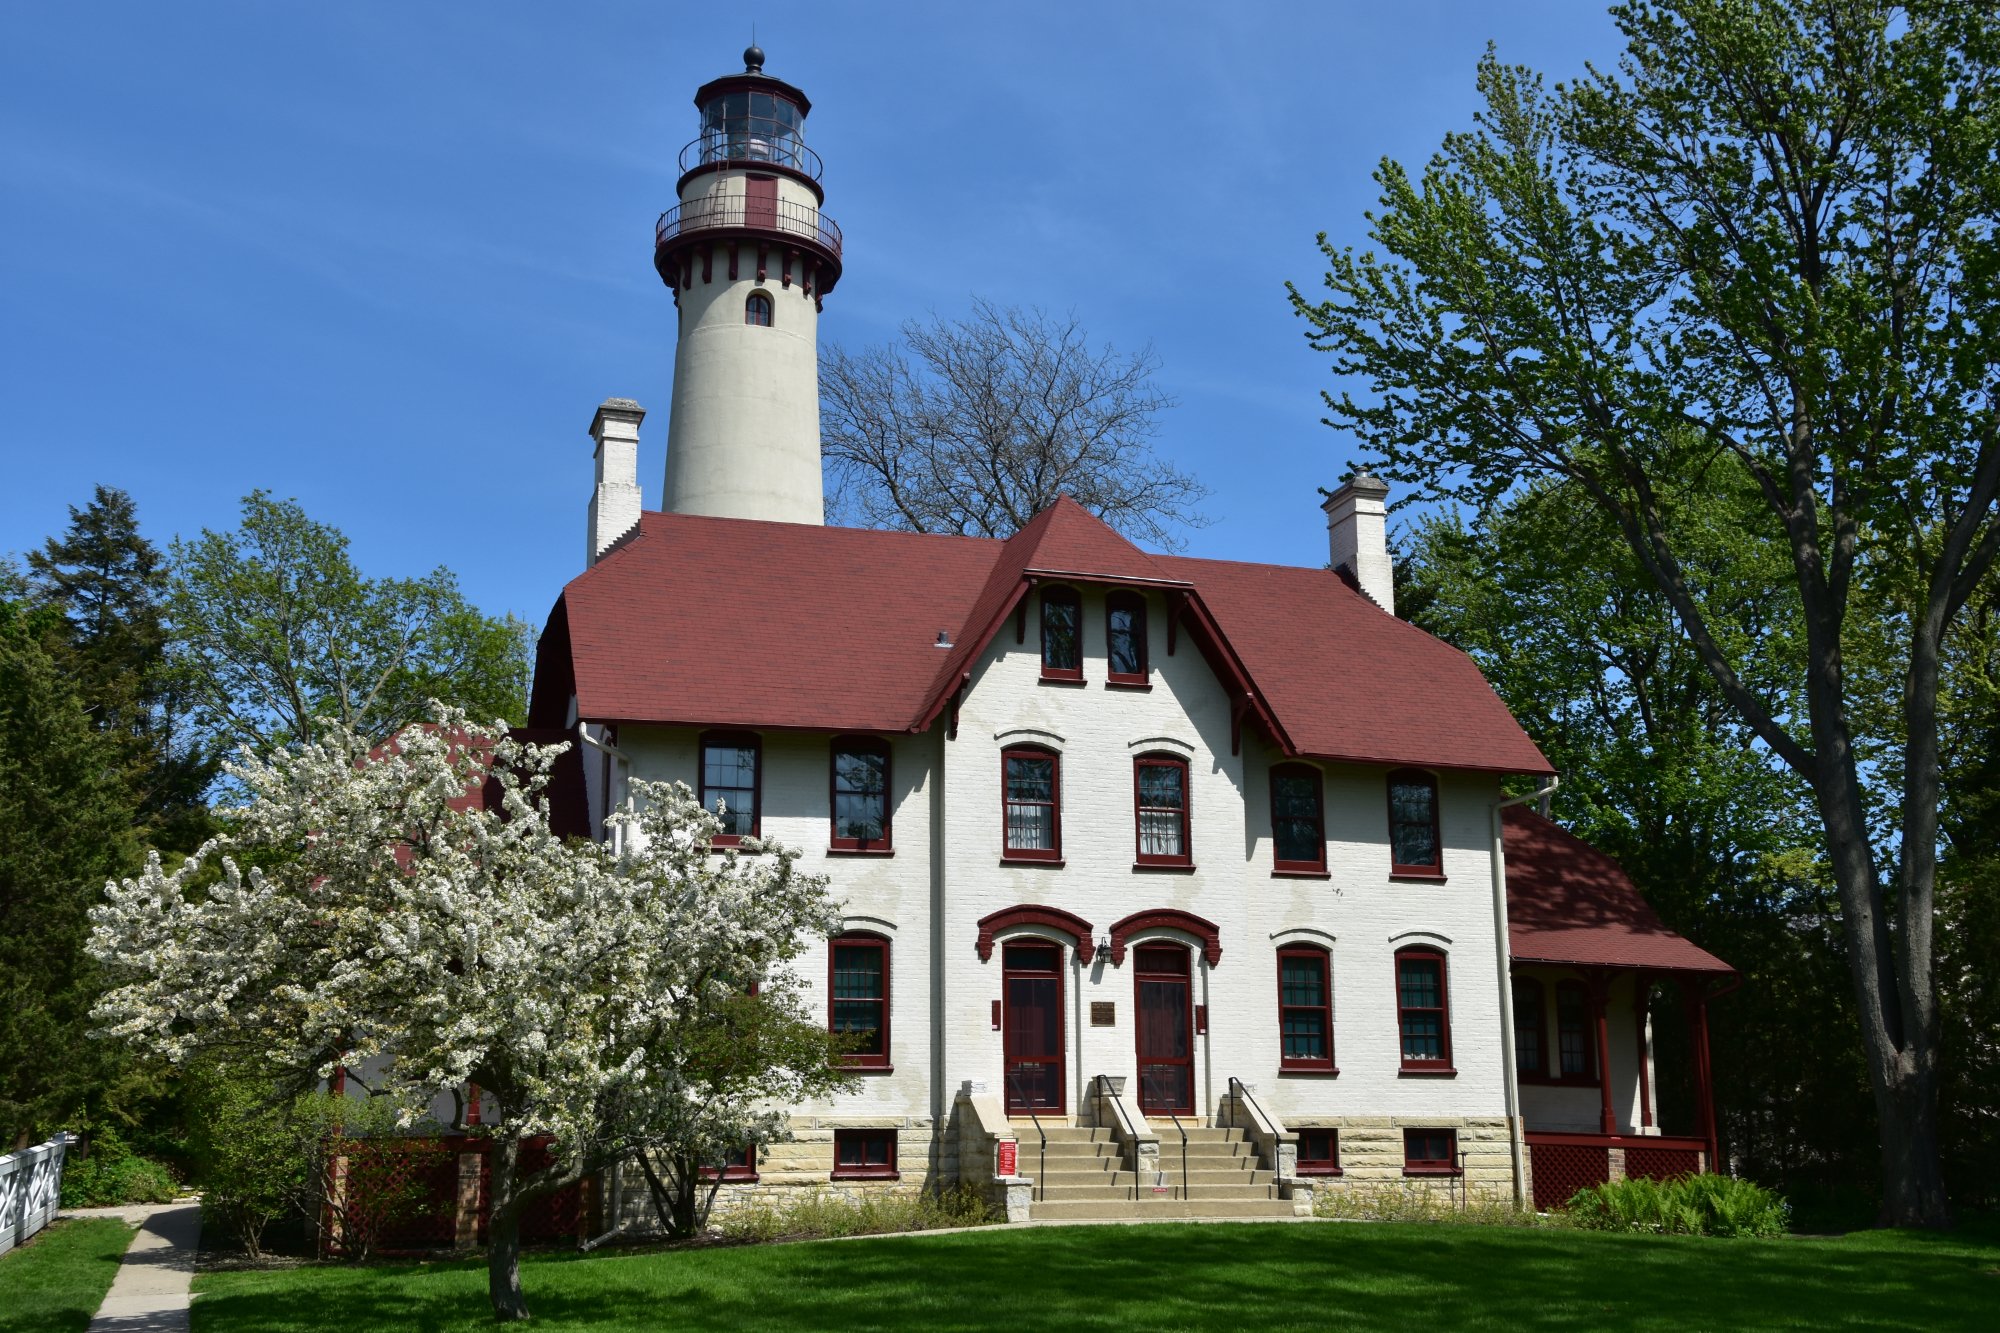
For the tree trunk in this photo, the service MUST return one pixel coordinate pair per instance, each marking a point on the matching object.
(503, 1234)
(1912, 1174)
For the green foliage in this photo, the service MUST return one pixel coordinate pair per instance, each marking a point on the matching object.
(1690, 1206)
(1408, 1201)
(58, 1279)
(111, 1174)
(279, 636)
(821, 1215)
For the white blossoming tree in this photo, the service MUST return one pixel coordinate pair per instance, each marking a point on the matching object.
(367, 913)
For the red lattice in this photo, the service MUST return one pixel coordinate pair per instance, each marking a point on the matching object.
(400, 1196)
(1661, 1163)
(1561, 1169)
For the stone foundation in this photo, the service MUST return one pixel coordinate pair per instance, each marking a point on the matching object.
(1371, 1154)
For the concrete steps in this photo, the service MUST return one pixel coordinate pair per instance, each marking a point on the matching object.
(1084, 1176)
(1076, 1210)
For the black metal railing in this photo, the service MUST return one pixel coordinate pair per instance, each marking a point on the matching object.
(1184, 1175)
(753, 141)
(1041, 1167)
(785, 216)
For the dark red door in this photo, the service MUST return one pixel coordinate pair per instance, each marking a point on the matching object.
(1032, 976)
(761, 202)
(1163, 975)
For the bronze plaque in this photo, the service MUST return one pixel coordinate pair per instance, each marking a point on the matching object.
(1103, 1014)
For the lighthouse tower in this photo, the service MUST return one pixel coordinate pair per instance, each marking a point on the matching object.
(749, 257)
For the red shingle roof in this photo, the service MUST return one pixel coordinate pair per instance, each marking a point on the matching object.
(1567, 902)
(733, 622)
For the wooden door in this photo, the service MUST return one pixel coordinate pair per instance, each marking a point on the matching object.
(760, 205)
(1163, 974)
(1031, 973)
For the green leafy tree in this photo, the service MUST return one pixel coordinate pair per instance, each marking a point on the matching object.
(1768, 238)
(278, 638)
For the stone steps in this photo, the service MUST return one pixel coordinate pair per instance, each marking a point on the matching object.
(1053, 1180)
(1078, 1210)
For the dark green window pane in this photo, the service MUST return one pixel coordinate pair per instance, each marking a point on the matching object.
(1059, 636)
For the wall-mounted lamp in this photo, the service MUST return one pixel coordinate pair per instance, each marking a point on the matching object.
(1104, 945)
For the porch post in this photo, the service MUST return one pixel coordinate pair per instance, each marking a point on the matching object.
(1704, 1078)
(1641, 986)
(1597, 989)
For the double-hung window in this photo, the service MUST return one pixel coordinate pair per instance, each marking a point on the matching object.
(1305, 1009)
(1160, 795)
(731, 764)
(1530, 1061)
(1062, 634)
(860, 795)
(1574, 1046)
(1031, 804)
(1125, 639)
(1298, 821)
(1413, 825)
(1423, 1013)
(858, 998)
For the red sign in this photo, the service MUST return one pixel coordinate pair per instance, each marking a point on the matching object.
(1009, 1156)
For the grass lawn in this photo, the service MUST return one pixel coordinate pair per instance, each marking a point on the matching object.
(57, 1279)
(1174, 1276)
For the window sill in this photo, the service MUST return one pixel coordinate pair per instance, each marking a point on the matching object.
(867, 1173)
(733, 1176)
(865, 1069)
(1166, 867)
(1052, 862)
(861, 851)
(1128, 685)
(1423, 1071)
(1318, 1171)
(1420, 876)
(1308, 1071)
(1074, 682)
(1432, 1171)
(1301, 874)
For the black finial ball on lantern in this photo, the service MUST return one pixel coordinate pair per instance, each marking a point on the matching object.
(753, 59)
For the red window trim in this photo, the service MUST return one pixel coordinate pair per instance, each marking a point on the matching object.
(866, 1062)
(1167, 918)
(1589, 1033)
(1441, 1066)
(1035, 914)
(1280, 866)
(759, 299)
(1136, 603)
(882, 846)
(1061, 593)
(1431, 1166)
(888, 1172)
(1397, 868)
(1039, 855)
(743, 1169)
(1324, 957)
(1540, 1069)
(1185, 857)
(742, 740)
(1318, 1166)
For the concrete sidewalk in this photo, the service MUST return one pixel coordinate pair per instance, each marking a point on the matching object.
(150, 1293)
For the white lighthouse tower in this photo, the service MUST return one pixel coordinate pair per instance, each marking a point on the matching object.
(749, 256)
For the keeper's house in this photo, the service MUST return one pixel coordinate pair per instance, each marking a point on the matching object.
(1172, 885)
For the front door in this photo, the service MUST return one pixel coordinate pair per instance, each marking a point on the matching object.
(1163, 975)
(1031, 975)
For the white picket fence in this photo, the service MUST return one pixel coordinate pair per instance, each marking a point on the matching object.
(31, 1189)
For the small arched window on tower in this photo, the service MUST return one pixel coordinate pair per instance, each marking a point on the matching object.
(757, 310)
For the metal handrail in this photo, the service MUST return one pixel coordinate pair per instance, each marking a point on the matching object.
(733, 211)
(1241, 1091)
(1185, 1192)
(1041, 1167)
(752, 142)
(1131, 1130)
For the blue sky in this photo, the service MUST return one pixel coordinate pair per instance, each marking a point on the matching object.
(387, 258)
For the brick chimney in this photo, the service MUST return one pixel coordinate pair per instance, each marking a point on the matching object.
(1357, 529)
(614, 504)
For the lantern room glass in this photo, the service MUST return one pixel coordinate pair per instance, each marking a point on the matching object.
(753, 127)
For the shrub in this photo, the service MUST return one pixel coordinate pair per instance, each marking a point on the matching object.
(1705, 1205)
(816, 1214)
(1406, 1202)
(112, 1174)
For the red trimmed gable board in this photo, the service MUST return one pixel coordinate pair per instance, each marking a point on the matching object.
(1567, 902)
(736, 622)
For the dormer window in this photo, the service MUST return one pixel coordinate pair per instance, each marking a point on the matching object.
(860, 795)
(1062, 634)
(757, 310)
(1413, 825)
(1125, 638)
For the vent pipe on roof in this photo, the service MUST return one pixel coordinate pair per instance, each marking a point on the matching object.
(614, 503)
(1357, 529)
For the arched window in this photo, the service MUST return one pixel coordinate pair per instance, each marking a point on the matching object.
(1031, 804)
(1298, 820)
(860, 795)
(1574, 1047)
(1413, 824)
(857, 984)
(757, 310)
(1125, 639)
(1423, 1011)
(731, 782)
(1530, 1061)
(1062, 634)
(1305, 1009)
(1160, 808)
